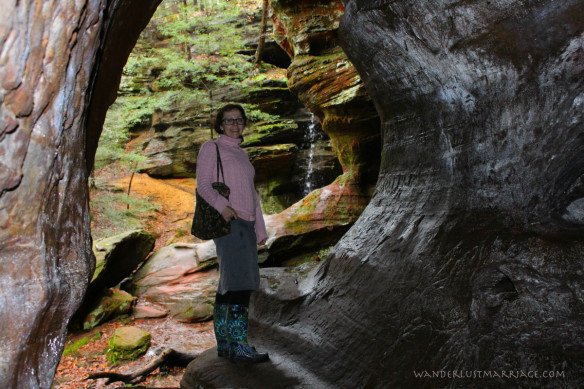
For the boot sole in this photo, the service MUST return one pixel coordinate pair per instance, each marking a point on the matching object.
(249, 360)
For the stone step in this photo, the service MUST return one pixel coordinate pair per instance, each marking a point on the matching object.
(211, 371)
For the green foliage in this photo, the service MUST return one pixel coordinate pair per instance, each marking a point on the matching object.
(112, 207)
(125, 114)
(112, 356)
(184, 55)
(256, 115)
(200, 49)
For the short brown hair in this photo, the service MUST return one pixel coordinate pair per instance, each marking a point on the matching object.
(221, 113)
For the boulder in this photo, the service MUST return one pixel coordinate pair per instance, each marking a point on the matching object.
(116, 258)
(128, 343)
(116, 302)
(315, 222)
(179, 279)
(61, 65)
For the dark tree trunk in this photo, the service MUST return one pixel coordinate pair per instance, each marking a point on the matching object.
(263, 30)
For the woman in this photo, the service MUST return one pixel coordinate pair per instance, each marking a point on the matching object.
(237, 252)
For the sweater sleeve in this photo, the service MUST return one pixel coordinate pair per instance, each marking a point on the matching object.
(260, 224)
(206, 175)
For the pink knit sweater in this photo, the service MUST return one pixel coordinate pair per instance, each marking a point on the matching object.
(239, 175)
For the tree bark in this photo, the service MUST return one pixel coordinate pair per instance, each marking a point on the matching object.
(168, 356)
(263, 30)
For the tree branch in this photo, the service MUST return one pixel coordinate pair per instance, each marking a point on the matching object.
(167, 357)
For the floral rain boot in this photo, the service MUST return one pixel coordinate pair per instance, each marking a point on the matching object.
(239, 350)
(220, 326)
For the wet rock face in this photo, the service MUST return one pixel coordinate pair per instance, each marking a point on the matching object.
(48, 56)
(469, 256)
(327, 83)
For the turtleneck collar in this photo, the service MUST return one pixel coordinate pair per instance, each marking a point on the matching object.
(228, 141)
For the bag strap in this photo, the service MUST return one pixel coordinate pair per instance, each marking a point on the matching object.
(219, 164)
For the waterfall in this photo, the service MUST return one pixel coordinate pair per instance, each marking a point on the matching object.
(311, 136)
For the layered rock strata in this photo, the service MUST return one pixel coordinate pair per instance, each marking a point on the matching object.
(468, 258)
(328, 84)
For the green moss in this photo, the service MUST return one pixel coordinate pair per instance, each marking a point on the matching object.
(180, 233)
(119, 349)
(304, 210)
(73, 349)
(344, 179)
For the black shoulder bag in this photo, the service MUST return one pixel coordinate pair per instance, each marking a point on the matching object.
(208, 222)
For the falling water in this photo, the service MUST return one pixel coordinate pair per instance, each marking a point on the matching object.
(311, 136)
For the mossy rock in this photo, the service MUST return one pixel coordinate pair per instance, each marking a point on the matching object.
(192, 312)
(117, 303)
(274, 132)
(139, 243)
(128, 343)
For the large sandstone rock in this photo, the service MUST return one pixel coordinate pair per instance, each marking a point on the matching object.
(59, 62)
(328, 84)
(60, 66)
(468, 258)
(180, 280)
(116, 258)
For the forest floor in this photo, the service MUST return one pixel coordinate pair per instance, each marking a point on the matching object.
(170, 221)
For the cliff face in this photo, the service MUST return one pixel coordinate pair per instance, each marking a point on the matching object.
(327, 82)
(53, 56)
(468, 257)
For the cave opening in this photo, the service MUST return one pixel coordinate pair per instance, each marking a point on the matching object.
(152, 130)
(281, 179)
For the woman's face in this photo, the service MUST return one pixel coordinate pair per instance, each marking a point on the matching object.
(232, 123)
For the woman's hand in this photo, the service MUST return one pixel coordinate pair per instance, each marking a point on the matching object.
(262, 242)
(229, 214)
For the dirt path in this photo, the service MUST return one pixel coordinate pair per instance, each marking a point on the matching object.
(176, 199)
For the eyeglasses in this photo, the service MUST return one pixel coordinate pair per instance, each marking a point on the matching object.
(233, 121)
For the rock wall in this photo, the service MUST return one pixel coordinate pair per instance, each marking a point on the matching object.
(328, 84)
(53, 55)
(469, 256)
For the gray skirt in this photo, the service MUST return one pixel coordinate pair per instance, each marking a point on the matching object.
(237, 254)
